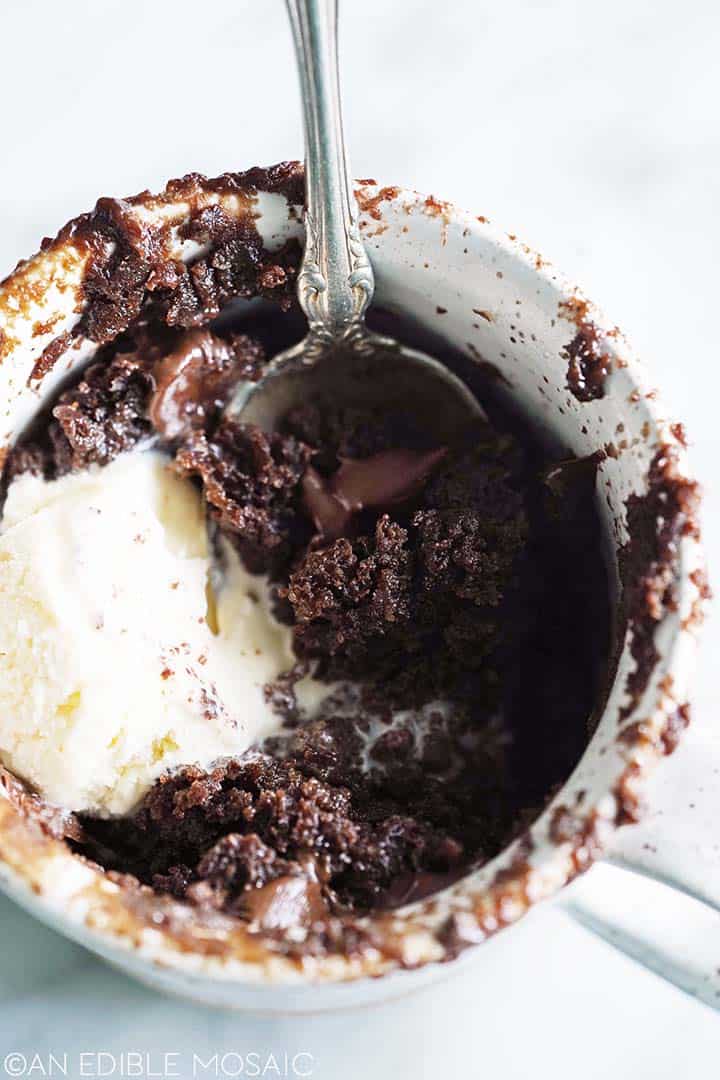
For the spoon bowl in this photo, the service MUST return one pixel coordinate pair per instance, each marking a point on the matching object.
(386, 377)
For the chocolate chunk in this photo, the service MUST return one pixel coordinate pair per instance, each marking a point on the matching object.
(284, 903)
(195, 379)
(384, 479)
(329, 514)
(378, 482)
(151, 383)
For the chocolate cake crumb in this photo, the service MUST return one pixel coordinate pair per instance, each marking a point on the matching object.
(351, 592)
(132, 265)
(314, 813)
(251, 484)
(236, 267)
(675, 724)
(50, 356)
(589, 365)
(149, 384)
(105, 415)
(657, 520)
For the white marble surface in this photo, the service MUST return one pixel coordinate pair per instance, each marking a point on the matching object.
(589, 130)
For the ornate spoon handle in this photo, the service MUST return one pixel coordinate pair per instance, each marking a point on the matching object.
(335, 283)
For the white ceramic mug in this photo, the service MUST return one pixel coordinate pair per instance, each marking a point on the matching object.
(487, 294)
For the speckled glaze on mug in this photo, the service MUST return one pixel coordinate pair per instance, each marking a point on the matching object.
(488, 295)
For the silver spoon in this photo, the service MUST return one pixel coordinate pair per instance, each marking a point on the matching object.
(340, 360)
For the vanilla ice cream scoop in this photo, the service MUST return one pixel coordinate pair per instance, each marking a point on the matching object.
(116, 660)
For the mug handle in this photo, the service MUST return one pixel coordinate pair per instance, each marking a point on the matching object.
(676, 843)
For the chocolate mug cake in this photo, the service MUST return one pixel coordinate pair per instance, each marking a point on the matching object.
(306, 708)
(371, 675)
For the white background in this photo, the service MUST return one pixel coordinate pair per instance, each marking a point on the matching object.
(592, 132)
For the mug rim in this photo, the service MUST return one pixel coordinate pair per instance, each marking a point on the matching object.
(566, 837)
